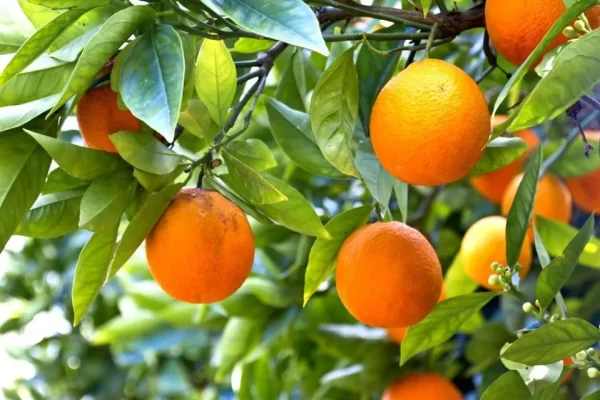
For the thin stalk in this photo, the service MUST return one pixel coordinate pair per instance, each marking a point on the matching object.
(430, 40)
(375, 36)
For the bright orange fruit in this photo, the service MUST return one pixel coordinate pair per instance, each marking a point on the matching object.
(423, 386)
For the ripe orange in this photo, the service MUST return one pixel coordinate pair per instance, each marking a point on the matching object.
(585, 189)
(552, 199)
(430, 123)
(99, 115)
(202, 248)
(388, 275)
(485, 243)
(493, 185)
(397, 334)
(423, 386)
(516, 27)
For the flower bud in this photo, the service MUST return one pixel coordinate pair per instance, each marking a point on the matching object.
(593, 373)
(580, 26)
(527, 307)
(581, 356)
(538, 304)
(591, 352)
(570, 32)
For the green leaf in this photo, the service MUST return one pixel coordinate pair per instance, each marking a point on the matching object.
(323, 254)
(33, 85)
(292, 132)
(508, 386)
(558, 272)
(548, 392)
(374, 70)
(442, 323)
(59, 181)
(153, 182)
(18, 115)
(379, 182)
(499, 153)
(58, 4)
(37, 15)
(251, 46)
(296, 213)
(401, 191)
(143, 151)
(216, 79)
(145, 218)
(484, 346)
(79, 162)
(249, 183)
(593, 396)
(121, 329)
(553, 342)
(576, 70)
(91, 269)
(37, 44)
(457, 281)
(52, 216)
(238, 337)
(102, 46)
(334, 111)
(556, 235)
(572, 163)
(151, 81)
(291, 21)
(69, 44)
(197, 120)
(522, 209)
(252, 152)
(104, 202)
(292, 88)
(22, 173)
(271, 293)
(567, 18)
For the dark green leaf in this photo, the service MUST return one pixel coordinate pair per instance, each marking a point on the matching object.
(553, 342)
(509, 386)
(151, 82)
(499, 153)
(104, 202)
(291, 21)
(556, 235)
(37, 44)
(484, 346)
(216, 79)
(558, 272)
(142, 223)
(22, 173)
(296, 213)
(441, 323)
(252, 152)
(238, 337)
(58, 181)
(334, 111)
(69, 44)
(567, 18)
(593, 396)
(79, 162)
(52, 216)
(379, 182)
(58, 4)
(576, 70)
(91, 270)
(522, 209)
(143, 151)
(249, 183)
(102, 46)
(323, 254)
(292, 132)
(153, 182)
(292, 87)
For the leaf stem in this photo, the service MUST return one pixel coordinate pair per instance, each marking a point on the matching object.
(430, 40)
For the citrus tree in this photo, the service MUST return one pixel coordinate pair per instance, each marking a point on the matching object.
(295, 199)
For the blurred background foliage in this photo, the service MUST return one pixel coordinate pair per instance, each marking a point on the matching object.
(137, 343)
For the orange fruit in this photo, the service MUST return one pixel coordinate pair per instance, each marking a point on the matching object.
(566, 362)
(493, 185)
(430, 123)
(397, 334)
(388, 275)
(586, 191)
(485, 243)
(99, 115)
(516, 27)
(552, 199)
(202, 248)
(423, 386)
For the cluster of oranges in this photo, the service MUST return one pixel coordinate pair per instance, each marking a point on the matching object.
(429, 126)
